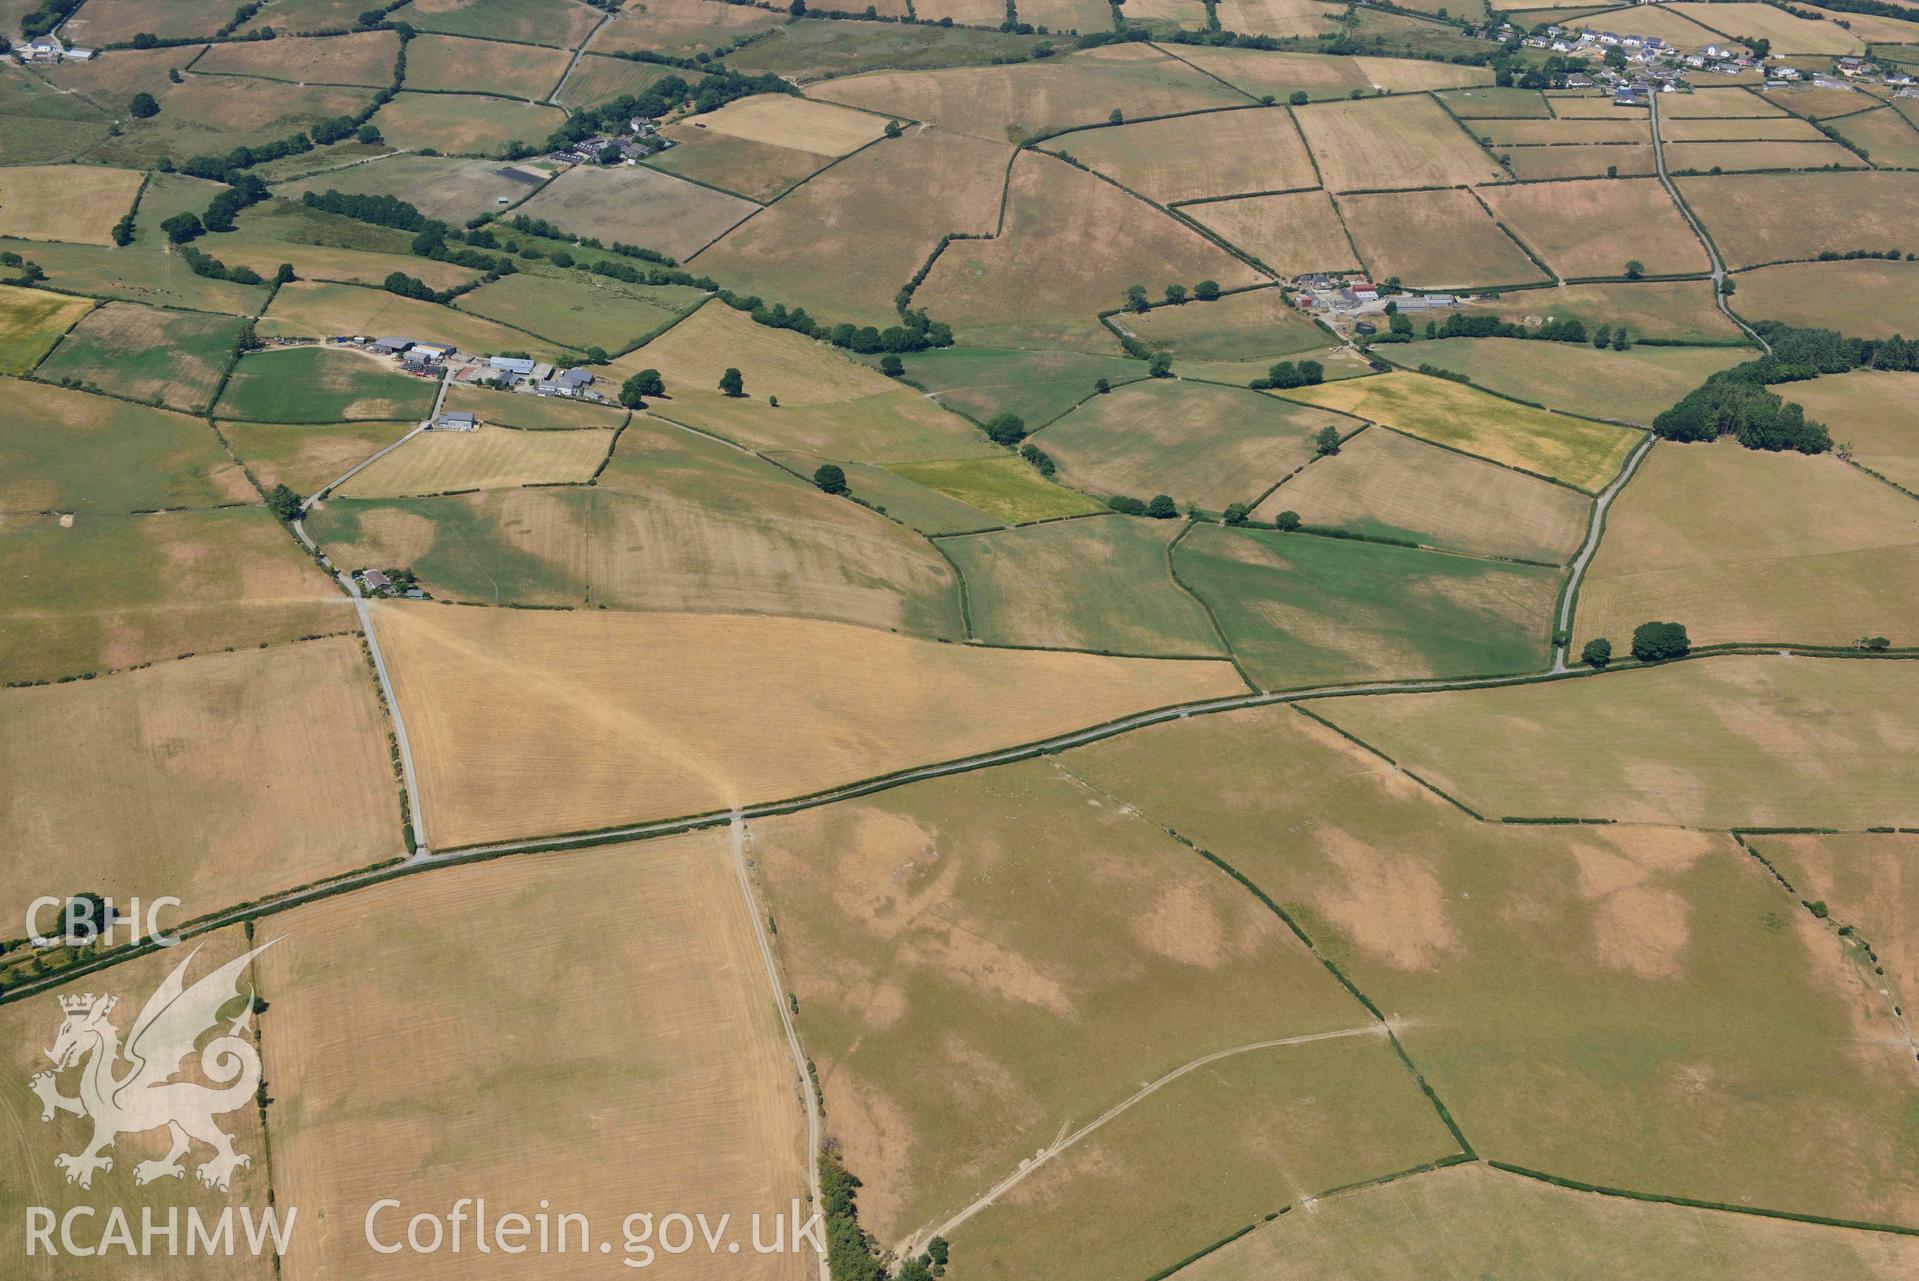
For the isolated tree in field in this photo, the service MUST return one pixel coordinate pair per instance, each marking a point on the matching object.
(1162, 507)
(1040, 459)
(144, 106)
(1236, 513)
(1602, 336)
(145, 40)
(1327, 442)
(1657, 642)
(284, 275)
(937, 1250)
(732, 384)
(1287, 521)
(831, 478)
(283, 502)
(1176, 294)
(1635, 269)
(1136, 297)
(1101, 386)
(369, 135)
(1117, 117)
(1619, 340)
(892, 366)
(182, 227)
(1006, 429)
(893, 129)
(1161, 364)
(1206, 290)
(1298, 98)
(1597, 653)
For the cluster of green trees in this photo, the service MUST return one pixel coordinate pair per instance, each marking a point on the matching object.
(283, 502)
(1461, 326)
(1176, 294)
(541, 227)
(1651, 643)
(664, 96)
(916, 332)
(26, 273)
(635, 390)
(430, 235)
(1307, 373)
(851, 1252)
(1890, 255)
(1159, 507)
(205, 264)
(49, 15)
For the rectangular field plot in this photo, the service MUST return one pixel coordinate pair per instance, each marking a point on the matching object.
(962, 916)
(68, 451)
(307, 309)
(491, 458)
(799, 123)
(1596, 228)
(1300, 610)
(1541, 133)
(176, 358)
(1744, 545)
(679, 27)
(1826, 295)
(1198, 442)
(452, 64)
(1539, 164)
(1435, 240)
(1220, 153)
(307, 457)
(683, 733)
(72, 203)
(1741, 129)
(464, 122)
(582, 310)
(1082, 584)
(359, 58)
(1497, 104)
(638, 206)
(1787, 33)
(1039, 386)
(756, 170)
(1007, 489)
(1635, 385)
(1700, 157)
(1293, 234)
(1385, 485)
(1391, 143)
(1319, 75)
(321, 385)
(1252, 325)
(1875, 413)
(438, 186)
(558, 23)
(1277, 17)
(1584, 454)
(1889, 138)
(170, 780)
(213, 114)
(1680, 311)
(1654, 959)
(1756, 218)
(1746, 741)
(31, 322)
(677, 1075)
(117, 590)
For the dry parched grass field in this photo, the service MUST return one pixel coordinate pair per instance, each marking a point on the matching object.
(1584, 229)
(173, 780)
(1390, 143)
(1873, 413)
(31, 322)
(1220, 153)
(356, 58)
(529, 723)
(77, 204)
(1757, 218)
(644, 1034)
(1294, 233)
(1435, 240)
(491, 458)
(1744, 545)
(638, 206)
(780, 120)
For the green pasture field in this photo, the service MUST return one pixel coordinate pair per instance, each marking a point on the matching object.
(321, 385)
(1003, 487)
(1487, 103)
(549, 22)
(1744, 545)
(1483, 1220)
(808, 51)
(172, 358)
(69, 451)
(323, 246)
(1635, 385)
(1564, 990)
(438, 186)
(1198, 442)
(360, 58)
(1748, 741)
(307, 457)
(909, 502)
(1672, 311)
(1255, 325)
(599, 79)
(1301, 610)
(464, 124)
(1066, 942)
(1082, 584)
(299, 16)
(534, 413)
(31, 322)
(581, 310)
(214, 114)
(638, 206)
(757, 170)
(1385, 485)
(134, 589)
(44, 125)
(1039, 386)
(1584, 454)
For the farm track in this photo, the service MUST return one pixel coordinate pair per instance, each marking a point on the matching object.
(1563, 624)
(571, 67)
(1699, 230)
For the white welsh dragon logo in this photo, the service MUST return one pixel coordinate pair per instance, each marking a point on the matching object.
(146, 1097)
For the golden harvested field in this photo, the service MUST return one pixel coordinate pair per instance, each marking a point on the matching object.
(460, 123)
(1537, 164)
(1875, 413)
(107, 591)
(307, 457)
(1581, 453)
(491, 458)
(1217, 154)
(1385, 143)
(1786, 32)
(118, 21)
(1596, 228)
(1187, 14)
(1740, 129)
(958, 917)
(1069, 15)
(77, 204)
(755, 170)
(31, 322)
(314, 309)
(1721, 103)
(179, 779)
(1320, 75)
(1654, 960)
(1435, 240)
(550, 22)
(1635, 385)
(527, 722)
(1535, 133)
(29, 1176)
(683, 27)
(800, 123)
(1885, 135)
(1292, 234)
(1278, 17)
(1870, 881)
(1383, 484)
(1700, 157)
(638, 206)
(887, 207)
(1732, 741)
(1088, 240)
(1012, 103)
(1826, 295)
(535, 413)
(510, 70)
(1481, 1220)
(356, 58)
(644, 1033)
(829, 404)
(1414, 75)
(1744, 545)
(1816, 102)
(1680, 310)
(1757, 218)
